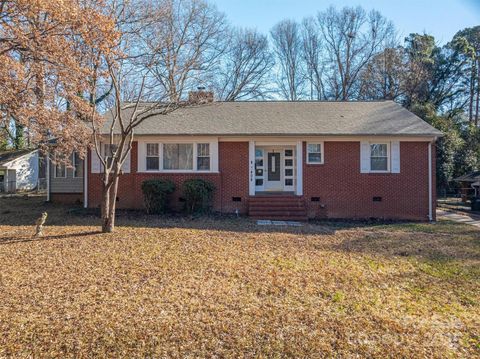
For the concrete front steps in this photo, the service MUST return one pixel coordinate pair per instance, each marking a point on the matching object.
(278, 207)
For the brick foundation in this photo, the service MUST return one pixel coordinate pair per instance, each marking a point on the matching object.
(67, 198)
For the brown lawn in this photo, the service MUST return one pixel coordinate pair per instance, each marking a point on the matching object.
(228, 288)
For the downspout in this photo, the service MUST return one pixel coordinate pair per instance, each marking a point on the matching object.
(85, 181)
(48, 176)
(430, 189)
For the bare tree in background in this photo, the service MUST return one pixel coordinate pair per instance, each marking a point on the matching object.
(183, 43)
(246, 65)
(287, 45)
(351, 38)
(312, 56)
(384, 75)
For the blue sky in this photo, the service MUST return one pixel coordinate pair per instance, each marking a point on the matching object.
(441, 18)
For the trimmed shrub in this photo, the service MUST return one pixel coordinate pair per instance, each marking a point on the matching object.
(155, 194)
(198, 195)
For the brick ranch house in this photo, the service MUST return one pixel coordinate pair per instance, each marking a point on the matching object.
(278, 160)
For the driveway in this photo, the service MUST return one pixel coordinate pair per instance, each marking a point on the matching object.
(472, 219)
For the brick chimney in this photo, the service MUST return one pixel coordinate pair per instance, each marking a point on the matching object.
(200, 96)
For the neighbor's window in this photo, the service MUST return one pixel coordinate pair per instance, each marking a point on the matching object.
(178, 156)
(60, 170)
(378, 157)
(153, 157)
(77, 165)
(314, 153)
(203, 157)
(109, 150)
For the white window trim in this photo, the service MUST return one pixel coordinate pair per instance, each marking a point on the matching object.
(389, 156)
(142, 155)
(322, 153)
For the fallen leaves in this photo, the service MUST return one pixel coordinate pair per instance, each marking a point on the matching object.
(225, 288)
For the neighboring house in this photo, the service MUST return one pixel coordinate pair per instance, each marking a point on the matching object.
(65, 183)
(19, 170)
(469, 184)
(284, 160)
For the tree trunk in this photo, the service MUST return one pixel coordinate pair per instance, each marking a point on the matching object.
(478, 93)
(472, 89)
(104, 207)
(109, 205)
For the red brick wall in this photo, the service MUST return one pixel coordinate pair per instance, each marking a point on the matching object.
(346, 193)
(232, 181)
(233, 166)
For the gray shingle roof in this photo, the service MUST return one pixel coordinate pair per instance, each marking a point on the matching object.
(281, 118)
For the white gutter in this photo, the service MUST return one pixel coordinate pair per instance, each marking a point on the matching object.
(48, 177)
(85, 181)
(430, 189)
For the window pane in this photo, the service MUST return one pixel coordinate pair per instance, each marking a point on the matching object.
(379, 150)
(78, 162)
(203, 163)
(60, 170)
(152, 149)
(288, 162)
(259, 182)
(289, 182)
(379, 164)
(110, 149)
(288, 153)
(153, 163)
(314, 147)
(178, 156)
(288, 172)
(314, 157)
(258, 152)
(259, 172)
(259, 163)
(203, 149)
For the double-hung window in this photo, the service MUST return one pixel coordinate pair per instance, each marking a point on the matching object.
(203, 157)
(60, 170)
(314, 153)
(77, 165)
(109, 151)
(153, 157)
(379, 157)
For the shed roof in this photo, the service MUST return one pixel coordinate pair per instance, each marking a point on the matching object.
(469, 177)
(8, 156)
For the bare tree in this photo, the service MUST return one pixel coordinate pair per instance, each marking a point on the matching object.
(351, 38)
(312, 55)
(246, 65)
(112, 142)
(183, 43)
(288, 50)
(384, 75)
